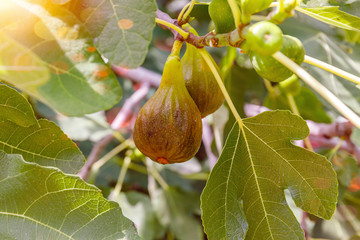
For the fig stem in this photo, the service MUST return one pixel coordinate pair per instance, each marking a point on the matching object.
(295, 110)
(175, 51)
(281, 6)
(222, 86)
(95, 168)
(318, 87)
(270, 88)
(185, 12)
(183, 33)
(116, 192)
(235, 12)
(332, 69)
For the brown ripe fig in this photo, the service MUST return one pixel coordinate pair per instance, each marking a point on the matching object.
(168, 128)
(201, 82)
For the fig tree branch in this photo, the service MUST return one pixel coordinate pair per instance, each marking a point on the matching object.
(127, 109)
(211, 39)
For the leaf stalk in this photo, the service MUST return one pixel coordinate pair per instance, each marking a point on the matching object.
(318, 87)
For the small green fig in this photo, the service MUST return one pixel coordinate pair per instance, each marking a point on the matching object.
(264, 38)
(221, 14)
(200, 81)
(272, 70)
(250, 7)
(168, 128)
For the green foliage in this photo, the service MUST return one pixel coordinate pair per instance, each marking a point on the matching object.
(14, 108)
(42, 142)
(333, 16)
(123, 28)
(66, 53)
(53, 205)
(175, 207)
(137, 207)
(330, 49)
(257, 163)
(49, 54)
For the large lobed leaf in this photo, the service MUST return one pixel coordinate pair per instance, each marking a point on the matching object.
(43, 203)
(122, 28)
(48, 53)
(244, 197)
(40, 141)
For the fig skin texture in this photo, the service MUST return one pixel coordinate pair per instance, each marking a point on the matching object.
(200, 81)
(250, 7)
(168, 128)
(264, 38)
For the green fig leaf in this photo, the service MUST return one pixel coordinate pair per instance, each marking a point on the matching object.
(123, 28)
(48, 53)
(43, 142)
(43, 203)
(15, 108)
(244, 196)
(333, 16)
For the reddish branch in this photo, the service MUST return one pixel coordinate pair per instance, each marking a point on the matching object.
(130, 103)
(233, 38)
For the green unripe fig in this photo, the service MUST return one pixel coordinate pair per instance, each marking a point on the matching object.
(168, 128)
(272, 70)
(249, 7)
(291, 85)
(264, 38)
(221, 14)
(200, 81)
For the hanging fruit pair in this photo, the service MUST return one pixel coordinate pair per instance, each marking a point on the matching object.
(168, 128)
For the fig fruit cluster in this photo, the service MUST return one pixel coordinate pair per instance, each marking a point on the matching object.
(168, 128)
(269, 68)
(263, 39)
